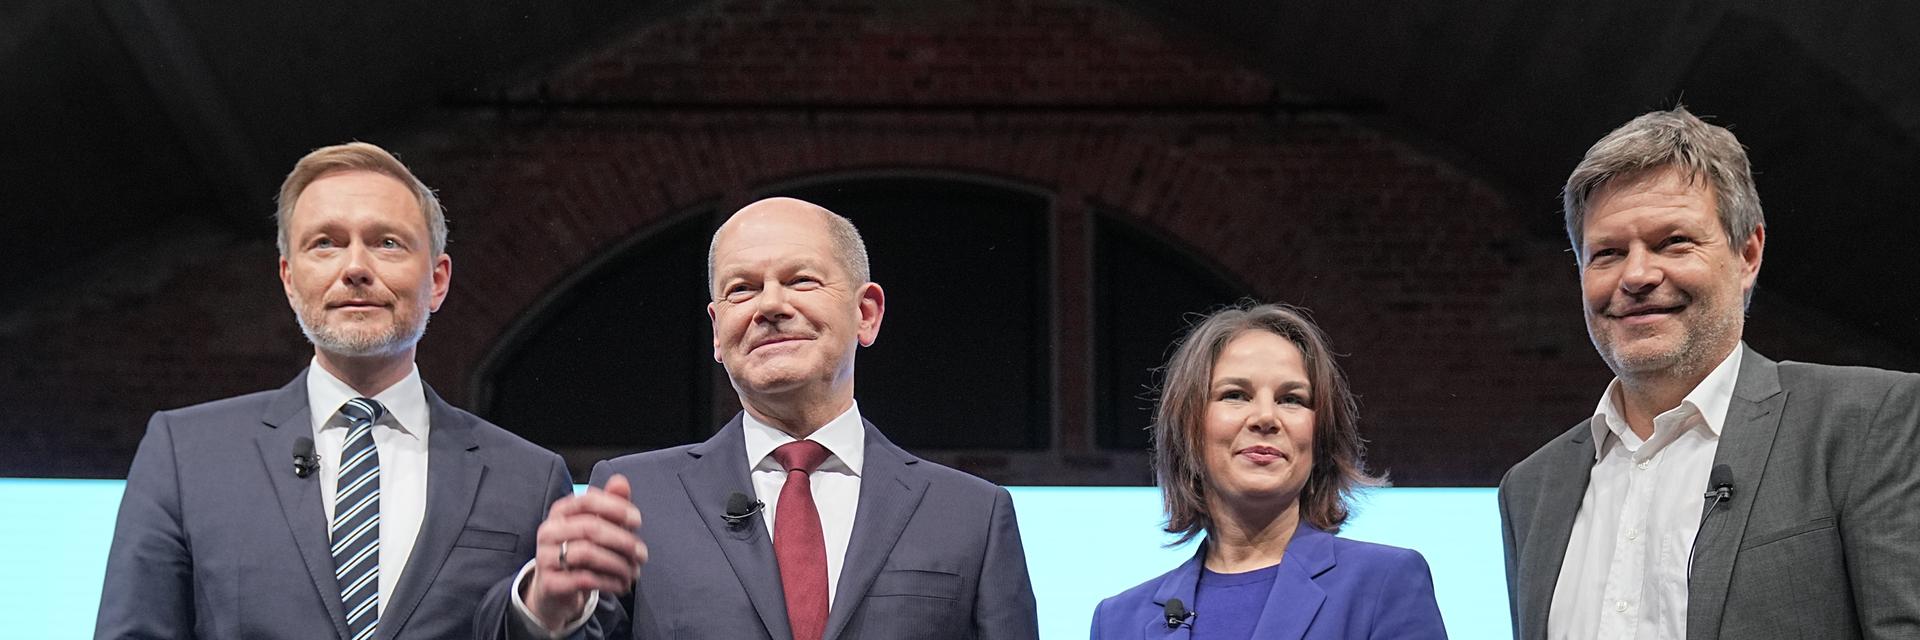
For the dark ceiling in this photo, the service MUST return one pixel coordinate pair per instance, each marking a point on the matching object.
(136, 121)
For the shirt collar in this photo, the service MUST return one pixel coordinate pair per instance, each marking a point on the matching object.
(845, 437)
(1710, 399)
(406, 401)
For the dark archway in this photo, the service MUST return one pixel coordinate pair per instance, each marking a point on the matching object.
(619, 358)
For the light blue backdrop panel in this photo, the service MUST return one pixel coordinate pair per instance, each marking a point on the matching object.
(1087, 543)
(1083, 544)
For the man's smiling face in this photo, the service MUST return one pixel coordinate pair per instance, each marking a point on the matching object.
(1664, 286)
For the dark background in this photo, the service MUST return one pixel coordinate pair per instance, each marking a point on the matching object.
(1049, 188)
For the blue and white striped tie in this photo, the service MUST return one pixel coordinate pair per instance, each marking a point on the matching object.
(356, 520)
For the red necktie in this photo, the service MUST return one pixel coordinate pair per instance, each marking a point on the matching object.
(798, 545)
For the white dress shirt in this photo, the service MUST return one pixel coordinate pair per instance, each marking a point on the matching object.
(1625, 572)
(400, 438)
(836, 484)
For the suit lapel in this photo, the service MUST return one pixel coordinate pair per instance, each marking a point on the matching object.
(1556, 504)
(287, 419)
(1295, 598)
(890, 490)
(1746, 443)
(719, 470)
(454, 471)
(1183, 583)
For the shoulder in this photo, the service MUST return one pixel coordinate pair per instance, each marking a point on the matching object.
(252, 405)
(498, 441)
(1803, 375)
(951, 479)
(1550, 457)
(220, 421)
(1373, 556)
(1121, 609)
(669, 460)
(881, 451)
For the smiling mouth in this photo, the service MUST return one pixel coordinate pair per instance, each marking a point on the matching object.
(1262, 454)
(1647, 312)
(775, 341)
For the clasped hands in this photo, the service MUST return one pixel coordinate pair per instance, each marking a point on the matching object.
(588, 542)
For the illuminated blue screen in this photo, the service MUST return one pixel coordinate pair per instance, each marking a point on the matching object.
(1083, 544)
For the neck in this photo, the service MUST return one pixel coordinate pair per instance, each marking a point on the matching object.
(1246, 539)
(1649, 394)
(1641, 401)
(367, 375)
(796, 416)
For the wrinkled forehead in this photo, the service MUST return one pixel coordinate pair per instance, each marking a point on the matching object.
(762, 248)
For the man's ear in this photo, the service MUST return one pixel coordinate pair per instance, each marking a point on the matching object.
(286, 280)
(713, 320)
(1750, 254)
(442, 280)
(873, 308)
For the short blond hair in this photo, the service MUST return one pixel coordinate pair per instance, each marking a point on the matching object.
(356, 156)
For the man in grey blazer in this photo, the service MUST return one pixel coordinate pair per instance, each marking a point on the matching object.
(1714, 493)
(352, 503)
(798, 519)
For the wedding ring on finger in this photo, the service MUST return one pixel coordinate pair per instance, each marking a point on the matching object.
(563, 555)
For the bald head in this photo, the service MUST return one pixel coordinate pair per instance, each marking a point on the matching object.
(848, 248)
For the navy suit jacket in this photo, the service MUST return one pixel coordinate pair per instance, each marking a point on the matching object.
(1328, 588)
(218, 539)
(935, 553)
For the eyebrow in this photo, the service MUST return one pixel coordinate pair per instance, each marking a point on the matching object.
(1290, 384)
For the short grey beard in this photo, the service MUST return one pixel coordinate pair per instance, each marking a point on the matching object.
(400, 339)
(1688, 363)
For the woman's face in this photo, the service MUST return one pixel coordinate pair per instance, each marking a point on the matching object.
(1257, 433)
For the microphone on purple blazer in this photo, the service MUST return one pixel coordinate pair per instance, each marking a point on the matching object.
(1177, 613)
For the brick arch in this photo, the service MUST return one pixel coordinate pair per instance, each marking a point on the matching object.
(541, 203)
(537, 312)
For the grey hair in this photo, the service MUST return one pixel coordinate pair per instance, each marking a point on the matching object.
(1663, 139)
(847, 246)
(357, 156)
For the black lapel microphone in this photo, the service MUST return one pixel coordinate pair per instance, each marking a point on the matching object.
(305, 461)
(740, 508)
(1177, 614)
(1719, 490)
(1719, 487)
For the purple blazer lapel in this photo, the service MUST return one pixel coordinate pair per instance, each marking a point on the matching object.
(1182, 583)
(1296, 598)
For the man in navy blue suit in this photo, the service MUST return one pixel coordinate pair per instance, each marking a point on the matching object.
(798, 519)
(352, 503)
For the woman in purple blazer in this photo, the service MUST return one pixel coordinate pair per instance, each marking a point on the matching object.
(1255, 445)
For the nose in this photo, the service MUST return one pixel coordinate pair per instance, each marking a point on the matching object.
(358, 272)
(1265, 418)
(772, 305)
(1641, 273)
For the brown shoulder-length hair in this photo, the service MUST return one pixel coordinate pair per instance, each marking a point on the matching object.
(1339, 453)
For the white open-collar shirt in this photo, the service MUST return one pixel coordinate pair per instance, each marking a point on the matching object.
(400, 438)
(1624, 576)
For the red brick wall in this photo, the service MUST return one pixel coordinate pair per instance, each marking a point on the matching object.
(1456, 306)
